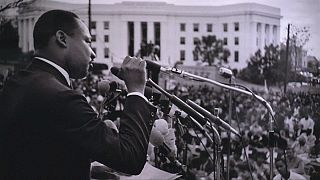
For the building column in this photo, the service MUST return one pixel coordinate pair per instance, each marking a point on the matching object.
(137, 36)
(270, 34)
(150, 31)
(25, 36)
(30, 34)
(254, 34)
(277, 35)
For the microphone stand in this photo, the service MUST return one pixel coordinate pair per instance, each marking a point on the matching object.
(184, 74)
(179, 103)
(218, 162)
(228, 132)
(198, 125)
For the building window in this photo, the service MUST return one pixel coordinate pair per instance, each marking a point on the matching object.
(225, 41)
(106, 52)
(182, 27)
(236, 26)
(93, 38)
(106, 24)
(106, 38)
(196, 41)
(236, 41)
(209, 27)
(225, 27)
(182, 40)
(195, 27)
(236, 56)
(93, 25)
(182, 55)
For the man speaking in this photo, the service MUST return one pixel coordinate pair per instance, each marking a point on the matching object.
(48, 130)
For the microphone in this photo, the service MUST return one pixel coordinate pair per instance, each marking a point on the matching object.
(225, 72)
(105, 86)
(213, 118)
(181, 105)
(159, 130)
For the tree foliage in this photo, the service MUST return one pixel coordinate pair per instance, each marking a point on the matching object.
(210, 49)
(267, 66)
(9, 40)
(299, 37)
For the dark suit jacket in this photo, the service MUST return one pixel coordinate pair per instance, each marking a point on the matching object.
(49, 131)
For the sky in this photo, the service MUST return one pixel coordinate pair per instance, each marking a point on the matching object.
(297, 12)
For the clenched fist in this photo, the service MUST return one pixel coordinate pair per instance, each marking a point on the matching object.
(133, 72)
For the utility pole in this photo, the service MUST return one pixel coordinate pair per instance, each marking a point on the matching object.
(287, 57)
(89, 16)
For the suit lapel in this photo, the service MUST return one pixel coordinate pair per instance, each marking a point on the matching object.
(38, 65)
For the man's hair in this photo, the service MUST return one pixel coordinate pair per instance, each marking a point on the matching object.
(49, 23)
(281, 159)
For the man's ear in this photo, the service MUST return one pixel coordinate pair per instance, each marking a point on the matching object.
(61, 38)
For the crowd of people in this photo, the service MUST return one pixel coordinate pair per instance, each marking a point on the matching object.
(296, 114)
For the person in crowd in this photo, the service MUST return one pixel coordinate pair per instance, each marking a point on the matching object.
(201, 165)
(306, 123)
(295, 163)
(284, 172)
(300, 146)
(261, 167)
(48, 130)
(289, 123)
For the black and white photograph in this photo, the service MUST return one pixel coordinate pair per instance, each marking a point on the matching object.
(159, 89)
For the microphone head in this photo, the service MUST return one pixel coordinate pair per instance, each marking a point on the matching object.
(162, 126)
(225, 72)
(148, 92)
(113, 86)
(115, 71)
(154, 67)
(156, 138)
(104, 87)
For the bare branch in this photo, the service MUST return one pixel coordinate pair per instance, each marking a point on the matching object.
(10, 5)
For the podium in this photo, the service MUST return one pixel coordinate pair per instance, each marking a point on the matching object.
(102, 172)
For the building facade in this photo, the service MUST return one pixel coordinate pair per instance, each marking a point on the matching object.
(118, 29)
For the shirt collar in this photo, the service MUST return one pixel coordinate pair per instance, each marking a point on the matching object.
(59, 68)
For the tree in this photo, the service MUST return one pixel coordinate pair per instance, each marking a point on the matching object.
(299, 36)
(264, 67)
(10, 5)
(209, 49)
(9, 39)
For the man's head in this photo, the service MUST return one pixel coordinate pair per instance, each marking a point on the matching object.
(290, 153)
(281, 166)
(63, 38)
(302, 140)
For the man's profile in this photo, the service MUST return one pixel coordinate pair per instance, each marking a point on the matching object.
(48, 130)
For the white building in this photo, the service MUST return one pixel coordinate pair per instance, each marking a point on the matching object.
(118, 29)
